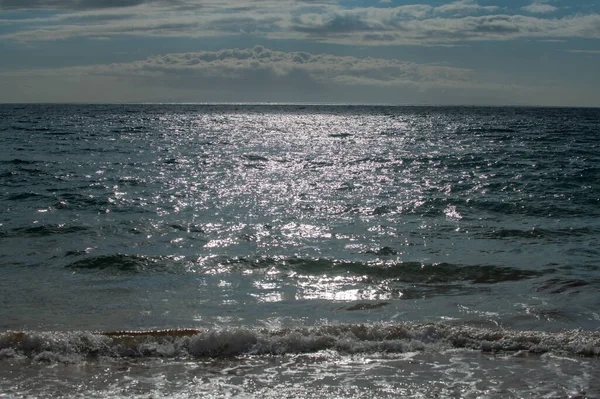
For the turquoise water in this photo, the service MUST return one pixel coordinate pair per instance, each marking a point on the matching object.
(256, 226)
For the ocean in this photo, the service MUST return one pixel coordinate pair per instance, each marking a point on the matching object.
(269, 251)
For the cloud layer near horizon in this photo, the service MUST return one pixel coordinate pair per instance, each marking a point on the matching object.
(262, 75)
(268, 75)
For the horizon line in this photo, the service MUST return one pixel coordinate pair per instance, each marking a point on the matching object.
(274, 103)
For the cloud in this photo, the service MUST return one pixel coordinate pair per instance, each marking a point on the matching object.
(262, 75)
(539, 7)
(68, 4)
(82, 5)
(256, 74)
(324, 21)
(336, 23)
(584, 51)
(395, 29)
(242, 64)
(464, 7)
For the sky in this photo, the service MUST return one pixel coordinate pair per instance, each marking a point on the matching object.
(463, 52)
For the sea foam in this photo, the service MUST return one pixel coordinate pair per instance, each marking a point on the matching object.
(345, 339)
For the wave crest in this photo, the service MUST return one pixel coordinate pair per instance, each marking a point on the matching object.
(348, 338)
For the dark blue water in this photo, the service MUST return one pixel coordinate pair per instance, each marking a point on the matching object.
(264, 220)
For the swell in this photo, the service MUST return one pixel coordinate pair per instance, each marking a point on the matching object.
(376, 270)
(43, 231)
(538, 233)
(415, 272)
(119, 264)
(19, 161)
(346, 339)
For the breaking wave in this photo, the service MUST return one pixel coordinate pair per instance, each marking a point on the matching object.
(345, 339)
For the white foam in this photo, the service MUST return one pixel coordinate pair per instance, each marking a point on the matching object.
(345, 339)
(346, 361)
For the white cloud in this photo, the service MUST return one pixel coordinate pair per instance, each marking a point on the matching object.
(257, 74)
(584, 51)
(392, 29)
(66, 4)
(539, 7)
(260, 75)
(325, 21)
(242, 64)
(464, 7)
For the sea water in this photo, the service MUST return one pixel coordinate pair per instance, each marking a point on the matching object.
(299, 251)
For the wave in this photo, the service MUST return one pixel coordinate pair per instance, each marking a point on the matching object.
(416, 272)
(119, 264)
(376, 270)
(255, 158)
(19, 161)
(26, 196)
(43, 231)
(29, 128)
(537, 233)
(345, 339)
(560, 285)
